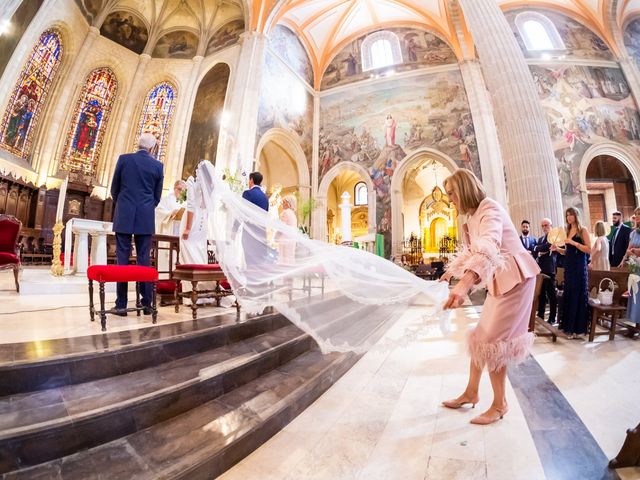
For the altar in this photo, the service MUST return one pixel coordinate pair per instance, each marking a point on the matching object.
(76, 237)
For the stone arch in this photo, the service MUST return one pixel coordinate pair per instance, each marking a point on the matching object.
(287, 140)
(411, 160)
(320, 212)
(622, 154)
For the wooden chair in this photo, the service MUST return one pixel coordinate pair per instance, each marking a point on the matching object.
(601, 315)
(534, 319)
(10, 228)
(160, 244)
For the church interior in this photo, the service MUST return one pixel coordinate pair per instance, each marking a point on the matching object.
(354, 112)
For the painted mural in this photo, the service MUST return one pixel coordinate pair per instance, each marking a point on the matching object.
(632, 40)
(419, 49)
(180, 44)
(379, 124)
(225, 36)
(285, 103)
(126, 29)
(287, 46)
(579, 40)
(584, 106)
(202, 142)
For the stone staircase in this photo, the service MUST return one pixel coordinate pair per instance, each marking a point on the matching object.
(185, 400)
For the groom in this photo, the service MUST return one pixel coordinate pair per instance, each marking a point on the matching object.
(136, 191)
(254, 238)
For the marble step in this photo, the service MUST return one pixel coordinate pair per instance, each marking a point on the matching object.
(47, 364)
(206, 441)
(41, 426)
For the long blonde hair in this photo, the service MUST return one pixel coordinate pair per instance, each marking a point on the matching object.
(467, 187)
(573, 211)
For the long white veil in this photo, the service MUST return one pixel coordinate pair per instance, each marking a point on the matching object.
(345, 298)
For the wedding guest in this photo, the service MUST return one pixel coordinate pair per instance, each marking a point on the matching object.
(575, 314)
(547, 261)
(528, 241)
(495, 258)
(619, 240)
(600, 249)
(633, 252)
(286, 243)
(136, 190)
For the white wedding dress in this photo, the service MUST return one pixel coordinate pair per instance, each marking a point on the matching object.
(363, 294)
(193, 250)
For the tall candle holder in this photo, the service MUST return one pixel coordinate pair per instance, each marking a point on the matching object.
(56, 265)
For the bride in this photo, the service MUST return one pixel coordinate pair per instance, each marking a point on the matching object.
(345, 298)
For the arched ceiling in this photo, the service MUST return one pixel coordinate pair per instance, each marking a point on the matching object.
(325, 26)
(202, 18)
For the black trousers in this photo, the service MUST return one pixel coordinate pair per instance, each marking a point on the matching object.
(143, 256)
(548, 294)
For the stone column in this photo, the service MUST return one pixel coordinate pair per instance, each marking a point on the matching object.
(531, 168)
(315, 228)
(8, 8)
(118, 143)
(183, 116)
(237, 141)
(484, 125)
(49, 150)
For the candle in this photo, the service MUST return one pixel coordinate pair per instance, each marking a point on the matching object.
(61, 198)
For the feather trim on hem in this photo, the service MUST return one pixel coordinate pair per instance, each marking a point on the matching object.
(500, 354)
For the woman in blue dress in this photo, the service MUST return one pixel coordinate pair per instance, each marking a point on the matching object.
(633, 309)
(575, 297)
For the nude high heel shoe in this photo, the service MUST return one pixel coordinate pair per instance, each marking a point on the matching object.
(490, 416)
(460, 402)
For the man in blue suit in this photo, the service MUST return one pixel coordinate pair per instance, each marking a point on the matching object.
(254, 239)
(547, 261)
(136, 190)
(255, 194)
(618, 241)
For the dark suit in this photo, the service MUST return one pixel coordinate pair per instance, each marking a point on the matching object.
(547, 261)
(618, 244)
(256, 196)
(136, 191)
(529, 242)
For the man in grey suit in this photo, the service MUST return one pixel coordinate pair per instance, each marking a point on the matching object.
(136, 190)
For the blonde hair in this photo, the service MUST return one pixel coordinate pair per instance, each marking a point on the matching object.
(291, 200)
(573, 211)
(599, 230)
(467, 187)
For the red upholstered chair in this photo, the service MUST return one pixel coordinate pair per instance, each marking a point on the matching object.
(9, 233)
(196, 273)
(121, 273)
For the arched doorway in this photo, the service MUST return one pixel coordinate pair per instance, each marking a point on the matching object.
(419, 208)
(282, 162)
(610, 187)
(609, 181)
(344, 177)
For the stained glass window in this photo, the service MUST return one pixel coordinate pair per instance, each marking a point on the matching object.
(156, 116)
(21, 116)
(89, 122)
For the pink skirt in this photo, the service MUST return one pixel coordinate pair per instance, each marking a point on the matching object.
(501, 337)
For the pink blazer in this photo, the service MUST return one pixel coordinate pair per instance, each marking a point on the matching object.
(493, 250)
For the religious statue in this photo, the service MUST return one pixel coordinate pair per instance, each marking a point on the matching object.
(390, 131)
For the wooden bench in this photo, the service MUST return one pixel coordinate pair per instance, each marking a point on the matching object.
(121, 273)
(197, 273)
(534, 320)
(607, 316)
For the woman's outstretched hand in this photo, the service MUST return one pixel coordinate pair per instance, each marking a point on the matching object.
(461, 290)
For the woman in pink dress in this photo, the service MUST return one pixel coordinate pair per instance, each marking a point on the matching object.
(287, 246)
(494, 258)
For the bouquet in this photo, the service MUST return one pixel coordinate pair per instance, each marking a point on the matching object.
(183, 196)
(237, 182)
(633, 265)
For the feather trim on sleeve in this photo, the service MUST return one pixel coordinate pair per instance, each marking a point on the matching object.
(482, 257)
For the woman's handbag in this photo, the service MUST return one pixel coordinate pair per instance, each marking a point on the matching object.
(605, 297)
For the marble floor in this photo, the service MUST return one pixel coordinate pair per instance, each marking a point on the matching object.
(383, 419)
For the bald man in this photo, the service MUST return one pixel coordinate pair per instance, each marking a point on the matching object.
(547, 263)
